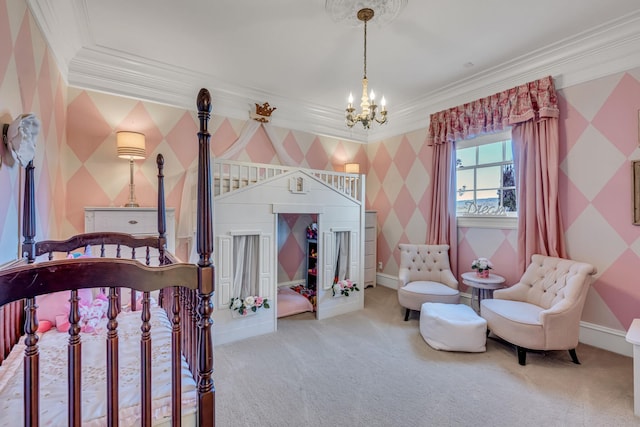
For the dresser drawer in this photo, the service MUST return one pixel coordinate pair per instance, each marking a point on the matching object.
(126, 222)
(369, 234)
(370, 219)
(369, 248)
(135, 221)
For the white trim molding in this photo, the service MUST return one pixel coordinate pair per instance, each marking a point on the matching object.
(606, 49)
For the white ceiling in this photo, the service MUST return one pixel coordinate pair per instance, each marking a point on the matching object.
(294, 56)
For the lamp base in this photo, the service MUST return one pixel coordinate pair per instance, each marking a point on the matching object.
(132, 203)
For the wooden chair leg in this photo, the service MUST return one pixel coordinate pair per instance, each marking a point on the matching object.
(406, 314)
(574, 356)
(522, 355)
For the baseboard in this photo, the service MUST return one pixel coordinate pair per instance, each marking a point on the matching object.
(591, 334)
(605, 338)
(387, 280)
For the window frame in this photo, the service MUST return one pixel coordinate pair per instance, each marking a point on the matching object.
(508, 221)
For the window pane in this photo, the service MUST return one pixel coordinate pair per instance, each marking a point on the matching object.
(508, 152)
(464, 180)
(466, 157)
(509, 200)
(487, 201)
(489, 177)
(508, 176)
(463, 200)
(490, 153)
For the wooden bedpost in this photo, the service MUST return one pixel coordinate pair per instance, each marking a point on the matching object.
(29, 214)
(31, 352)
(162, 209)
(206, 278)
(162, 220)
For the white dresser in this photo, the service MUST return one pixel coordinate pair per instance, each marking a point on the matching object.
(137, 221)
(370, 247)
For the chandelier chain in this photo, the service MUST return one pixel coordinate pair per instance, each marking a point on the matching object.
(365, 48)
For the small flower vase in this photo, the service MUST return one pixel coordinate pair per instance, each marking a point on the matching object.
(483, 273)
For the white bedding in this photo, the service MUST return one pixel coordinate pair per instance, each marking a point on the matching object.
(53, 375)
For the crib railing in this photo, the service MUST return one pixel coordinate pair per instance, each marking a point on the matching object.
(231, 175)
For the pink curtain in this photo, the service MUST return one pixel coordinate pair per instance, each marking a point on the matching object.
(536, 161)
(442, 218)
(532, 111)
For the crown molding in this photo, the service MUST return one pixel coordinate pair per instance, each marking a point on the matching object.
(604, 50)
(610, 48)
(64, 35)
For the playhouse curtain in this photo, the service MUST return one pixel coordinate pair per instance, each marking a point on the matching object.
(342, 255)
(248, 131)
(532, 111)
(245, 266)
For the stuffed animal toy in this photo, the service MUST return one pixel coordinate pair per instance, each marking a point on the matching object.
(53, 309)
(90, 314)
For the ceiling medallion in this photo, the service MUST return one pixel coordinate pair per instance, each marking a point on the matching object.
(346, 10)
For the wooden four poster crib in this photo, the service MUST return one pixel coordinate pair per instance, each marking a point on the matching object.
(185, 295)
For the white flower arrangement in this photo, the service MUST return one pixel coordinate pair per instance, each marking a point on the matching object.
(481, 264)
(344, 287)
(250, 303)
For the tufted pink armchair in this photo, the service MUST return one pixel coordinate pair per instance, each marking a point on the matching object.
(425, 276)
(542, 311)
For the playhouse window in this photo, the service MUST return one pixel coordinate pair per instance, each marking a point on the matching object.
(246, 250)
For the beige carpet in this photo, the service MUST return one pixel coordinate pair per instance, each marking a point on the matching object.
(371, 368)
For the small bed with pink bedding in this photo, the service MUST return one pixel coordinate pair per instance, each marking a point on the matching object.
(294, 300)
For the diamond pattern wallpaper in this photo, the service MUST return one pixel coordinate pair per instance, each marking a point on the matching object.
(30, 82)
(599, 138)
(77, 166)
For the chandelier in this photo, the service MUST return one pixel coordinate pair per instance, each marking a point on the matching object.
(368, 106)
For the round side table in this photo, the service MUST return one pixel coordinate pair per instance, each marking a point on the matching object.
(481, 287)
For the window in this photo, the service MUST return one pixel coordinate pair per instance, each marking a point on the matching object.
(485, 181)
(343, 256)
(245, 265)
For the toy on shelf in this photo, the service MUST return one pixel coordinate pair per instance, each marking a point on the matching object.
(312, 231)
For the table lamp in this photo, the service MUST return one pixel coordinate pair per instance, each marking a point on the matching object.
(131, 145)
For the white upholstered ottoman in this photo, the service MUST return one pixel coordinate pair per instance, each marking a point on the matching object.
(452, 327)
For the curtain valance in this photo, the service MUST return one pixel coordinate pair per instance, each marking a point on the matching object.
(533, 100)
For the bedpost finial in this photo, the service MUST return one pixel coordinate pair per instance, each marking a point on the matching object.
(204, 100)
(160, 160)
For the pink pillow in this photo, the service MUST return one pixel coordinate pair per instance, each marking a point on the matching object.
(54, 308)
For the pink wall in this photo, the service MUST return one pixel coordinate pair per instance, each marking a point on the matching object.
(292, 246)
(599, 138)
(30, 82)
(102, 178)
